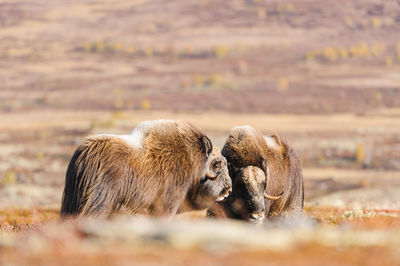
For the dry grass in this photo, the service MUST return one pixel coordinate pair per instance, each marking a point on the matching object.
(16, 220)
(102, 243)
(357, 219)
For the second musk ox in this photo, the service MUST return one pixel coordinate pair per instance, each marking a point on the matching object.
(266, 175)
(149, 171)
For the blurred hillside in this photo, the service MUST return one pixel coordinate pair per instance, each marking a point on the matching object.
(311, 56)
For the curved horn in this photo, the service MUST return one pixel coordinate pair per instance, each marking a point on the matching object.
(212, 177)
(214, 169)
(270, 197)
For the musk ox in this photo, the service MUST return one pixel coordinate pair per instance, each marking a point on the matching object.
(149, 171)
(266, 175)
(204, 194)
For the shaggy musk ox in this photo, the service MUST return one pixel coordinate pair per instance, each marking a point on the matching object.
(260, 167)
(204, 194)
(149, 171)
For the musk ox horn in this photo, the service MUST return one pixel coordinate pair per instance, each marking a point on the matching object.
(215, 168)
(211, 177)
(270, 197)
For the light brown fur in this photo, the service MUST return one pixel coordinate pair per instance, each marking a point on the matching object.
(107, 176)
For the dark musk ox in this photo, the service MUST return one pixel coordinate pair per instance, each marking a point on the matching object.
(204, 194)
(148, 172)
(266, 175)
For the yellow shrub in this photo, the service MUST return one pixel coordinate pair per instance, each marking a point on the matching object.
(309, 56)
(343, 53)
(283, 84)
(130, 49)
(285, 8)
(376, 23)
(39, 156)
(145, 105)
(330, 54)
(9, 178)
(116, 92)
(188, 49)
(118, 103)
(378, 96)
(118, 115)
(398, 50)
(148, 51)
(349, 22)
(360, 50)
(221, 51)
(353, 51)
(377, 49)
(388, 61)
(117, 47)
(360, 155)
(198, 80)
(215, 79)
(87, 47)
(97, 47)
(363, 49)
(262, 13)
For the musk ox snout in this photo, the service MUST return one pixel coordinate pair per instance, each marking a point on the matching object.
(256, 217)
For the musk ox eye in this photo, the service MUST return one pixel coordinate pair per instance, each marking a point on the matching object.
(217, 166)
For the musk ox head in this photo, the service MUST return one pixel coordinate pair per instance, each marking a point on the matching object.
(249, 193)
(215, 186)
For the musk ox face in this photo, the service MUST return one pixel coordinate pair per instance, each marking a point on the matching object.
(213, 189)
(249, 193)
(248, 190)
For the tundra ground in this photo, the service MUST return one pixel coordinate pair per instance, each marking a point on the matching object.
(323, 74)
(352, 207)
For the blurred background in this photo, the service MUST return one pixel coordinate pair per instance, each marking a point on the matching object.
(325, 75)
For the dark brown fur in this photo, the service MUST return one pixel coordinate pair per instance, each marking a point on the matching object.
(106, 176)
(246, 202)
(246, 146)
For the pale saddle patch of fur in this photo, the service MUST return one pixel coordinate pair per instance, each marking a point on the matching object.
(135, 138)
(245, 127)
